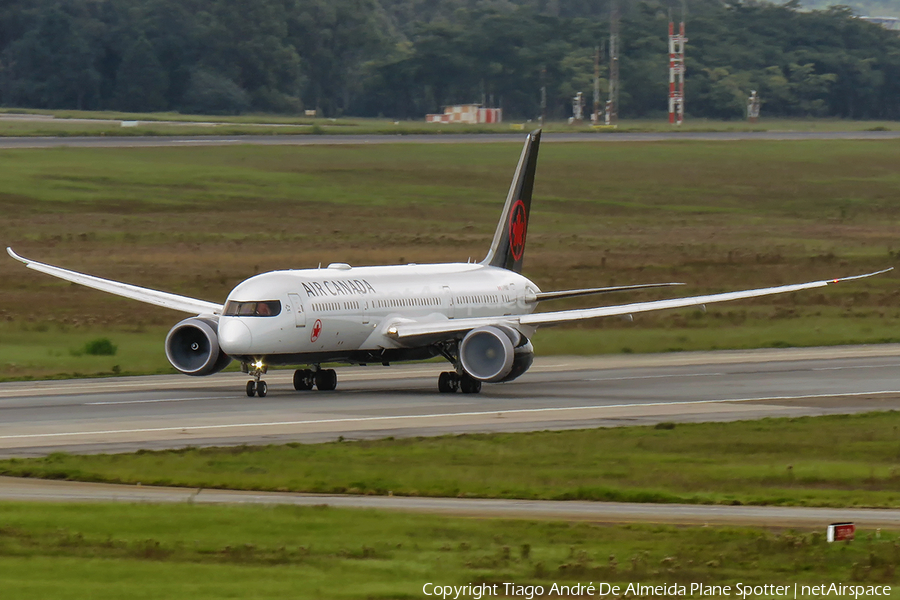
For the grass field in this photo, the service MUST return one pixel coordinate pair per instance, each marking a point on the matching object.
(197, 221)
(826, 461)
(185, 551)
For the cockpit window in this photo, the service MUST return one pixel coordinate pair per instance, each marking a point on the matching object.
(265, 308)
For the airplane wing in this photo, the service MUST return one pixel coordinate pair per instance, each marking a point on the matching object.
(165, 299)
(450, 326)
(541, 296)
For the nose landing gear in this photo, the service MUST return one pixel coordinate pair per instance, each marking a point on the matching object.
(256, 386)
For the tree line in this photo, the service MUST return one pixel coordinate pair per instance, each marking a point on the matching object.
(404, 58)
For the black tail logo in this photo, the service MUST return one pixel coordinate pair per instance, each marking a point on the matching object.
(508, 246)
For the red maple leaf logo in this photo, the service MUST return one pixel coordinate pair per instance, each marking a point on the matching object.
(317, 329)
(518, 224)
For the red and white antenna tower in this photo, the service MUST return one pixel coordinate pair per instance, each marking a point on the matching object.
(676, 71)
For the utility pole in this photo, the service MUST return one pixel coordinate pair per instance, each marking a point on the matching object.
(612, 105)
(595, 116)
(543, 96)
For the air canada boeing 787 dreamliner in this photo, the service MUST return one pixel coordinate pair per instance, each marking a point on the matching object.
(479, 316)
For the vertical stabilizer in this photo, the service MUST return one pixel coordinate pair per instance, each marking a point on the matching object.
(508, 247)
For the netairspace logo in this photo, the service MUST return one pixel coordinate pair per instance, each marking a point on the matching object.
(737, 590)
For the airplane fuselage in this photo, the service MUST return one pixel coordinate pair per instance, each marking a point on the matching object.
(342, 312)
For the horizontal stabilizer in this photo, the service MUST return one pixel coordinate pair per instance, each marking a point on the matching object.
(603, 290)
(165, 299)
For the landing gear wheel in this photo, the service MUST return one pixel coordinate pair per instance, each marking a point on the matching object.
(303, 380)
(251, 388)
(448, 382)
(469, 385)
(326, 380)
(262, 389)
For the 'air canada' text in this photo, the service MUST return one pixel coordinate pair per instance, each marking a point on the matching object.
(338, 288)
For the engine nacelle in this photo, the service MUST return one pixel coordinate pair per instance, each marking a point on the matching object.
(192, 347)
(495, 353)
(522, 360)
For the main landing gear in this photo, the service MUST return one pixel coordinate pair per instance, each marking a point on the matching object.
(459, 380)
(325, 380)
(450, 381)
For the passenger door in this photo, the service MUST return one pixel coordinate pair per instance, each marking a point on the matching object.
(448, 298)
(299, 313)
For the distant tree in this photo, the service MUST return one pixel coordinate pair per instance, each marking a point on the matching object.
(52, 65)
(341, 42)
(403, 58)
(214, 94)
(141, 81)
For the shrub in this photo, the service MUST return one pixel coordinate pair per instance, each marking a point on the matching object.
(100, 347)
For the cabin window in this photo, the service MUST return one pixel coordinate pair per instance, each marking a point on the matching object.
(264, 308)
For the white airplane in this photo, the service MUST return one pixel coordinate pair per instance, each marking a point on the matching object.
(479, 316)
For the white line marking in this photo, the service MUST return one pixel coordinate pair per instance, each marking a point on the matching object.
(857, 367)
(160, 400)
(658, 376)
(441, 415)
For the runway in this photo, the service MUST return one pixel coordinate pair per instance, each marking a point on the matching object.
(436, 138)
(126, 414)
(22, 490)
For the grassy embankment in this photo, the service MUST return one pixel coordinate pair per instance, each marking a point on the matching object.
(188, 551)
(63, 123)
(196, 221)
(826, 461)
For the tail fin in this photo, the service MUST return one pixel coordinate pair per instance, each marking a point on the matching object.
(508, 248)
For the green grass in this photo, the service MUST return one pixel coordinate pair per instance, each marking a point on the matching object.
(718, 216)
(824, 461)
(188, 551)
(40, 351)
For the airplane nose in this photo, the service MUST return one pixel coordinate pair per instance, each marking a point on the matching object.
(234, 336)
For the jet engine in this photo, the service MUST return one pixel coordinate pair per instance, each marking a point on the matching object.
(495, 353)
(192, 347)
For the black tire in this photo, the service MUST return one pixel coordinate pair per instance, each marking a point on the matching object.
(303, 380)
(262, 389)
(251, 388)
(445, 383)
(326, 380)
(469, 385)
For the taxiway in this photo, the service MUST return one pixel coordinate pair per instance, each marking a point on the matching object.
(435, 138)
(35, 490)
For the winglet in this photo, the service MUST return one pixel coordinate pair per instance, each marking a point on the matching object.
(15, 256)
(840, 279)
(173, 301)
